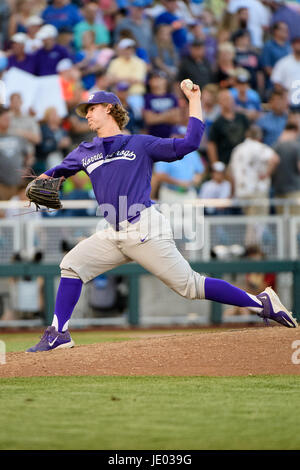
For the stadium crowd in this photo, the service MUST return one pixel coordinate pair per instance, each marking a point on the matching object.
(245, 56)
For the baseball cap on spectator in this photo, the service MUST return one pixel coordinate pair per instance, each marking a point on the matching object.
(63, 65)
(19, 38)
(242, 75)
(127, 42)
(122, 86)
(218, 166)
(46, 32)
(34, 20)
(97, 98)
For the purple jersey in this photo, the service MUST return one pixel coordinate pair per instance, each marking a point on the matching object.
(120, 167)
(160, 104)
(47, 60)
(28, 64)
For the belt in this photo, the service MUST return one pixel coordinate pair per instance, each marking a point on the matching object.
(131, 220)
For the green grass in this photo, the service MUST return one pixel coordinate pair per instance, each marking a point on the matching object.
(150, 413)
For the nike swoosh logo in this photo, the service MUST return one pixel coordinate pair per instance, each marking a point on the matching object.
(52, 342)
(143, 239)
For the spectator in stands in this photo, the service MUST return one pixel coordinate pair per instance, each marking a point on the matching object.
(88, 59)
(65, 39)
(25, 211)
(210, 110)
(109, 10)
(227, 131)
(287, 71)
(33, 25)
(62, 13)
(121, 90)
(195, 66)
(138, 24)
(55, 142)
(258, 18)
(130, 68)
(196, 31)
(19, 58)
(216, 188)
(177, 181)
(209, 20)
(20, 14)
(232, 22)
(242, 19)
(78, 187)
(22, 124)
(274, 120)
(101, 82)
(78, 128)
(169, 16)
(69, 77)
(225, 66)
(251, 166)
(139, 51)
(89, 23)
(246, 99)
(51, 53)
(15, 157)
(161, 112)
(284, 13)
(163, 53)
(275, 49)
(4, 20)
(247, 58)
(286, 177)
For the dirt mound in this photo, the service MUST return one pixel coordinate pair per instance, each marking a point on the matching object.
(238, 352)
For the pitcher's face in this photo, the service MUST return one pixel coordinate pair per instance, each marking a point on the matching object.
(97, 115)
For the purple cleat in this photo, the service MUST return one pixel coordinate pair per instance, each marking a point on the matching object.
(52, 339)
(274, 310)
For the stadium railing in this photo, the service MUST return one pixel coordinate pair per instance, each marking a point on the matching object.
(277, 235)
(133, 271)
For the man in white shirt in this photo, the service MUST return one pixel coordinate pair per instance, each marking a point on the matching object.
(286, 73)
(259, 18)
(32, 43)
(250, 167)
(216, 188)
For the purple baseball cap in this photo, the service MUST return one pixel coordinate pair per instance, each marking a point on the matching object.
(97, 98)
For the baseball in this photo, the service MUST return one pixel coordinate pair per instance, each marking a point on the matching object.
(187, 83)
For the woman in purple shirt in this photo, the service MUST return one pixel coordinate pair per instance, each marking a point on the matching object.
(120, 168)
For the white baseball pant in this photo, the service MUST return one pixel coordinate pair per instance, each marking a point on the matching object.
(148, 242)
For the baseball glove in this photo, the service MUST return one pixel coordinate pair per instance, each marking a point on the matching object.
(45, 192)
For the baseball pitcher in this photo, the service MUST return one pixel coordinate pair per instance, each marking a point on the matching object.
(120, 169)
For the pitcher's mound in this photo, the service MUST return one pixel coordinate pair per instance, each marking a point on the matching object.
(238, 352)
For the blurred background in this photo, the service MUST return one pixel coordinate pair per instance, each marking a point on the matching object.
(245, 56)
